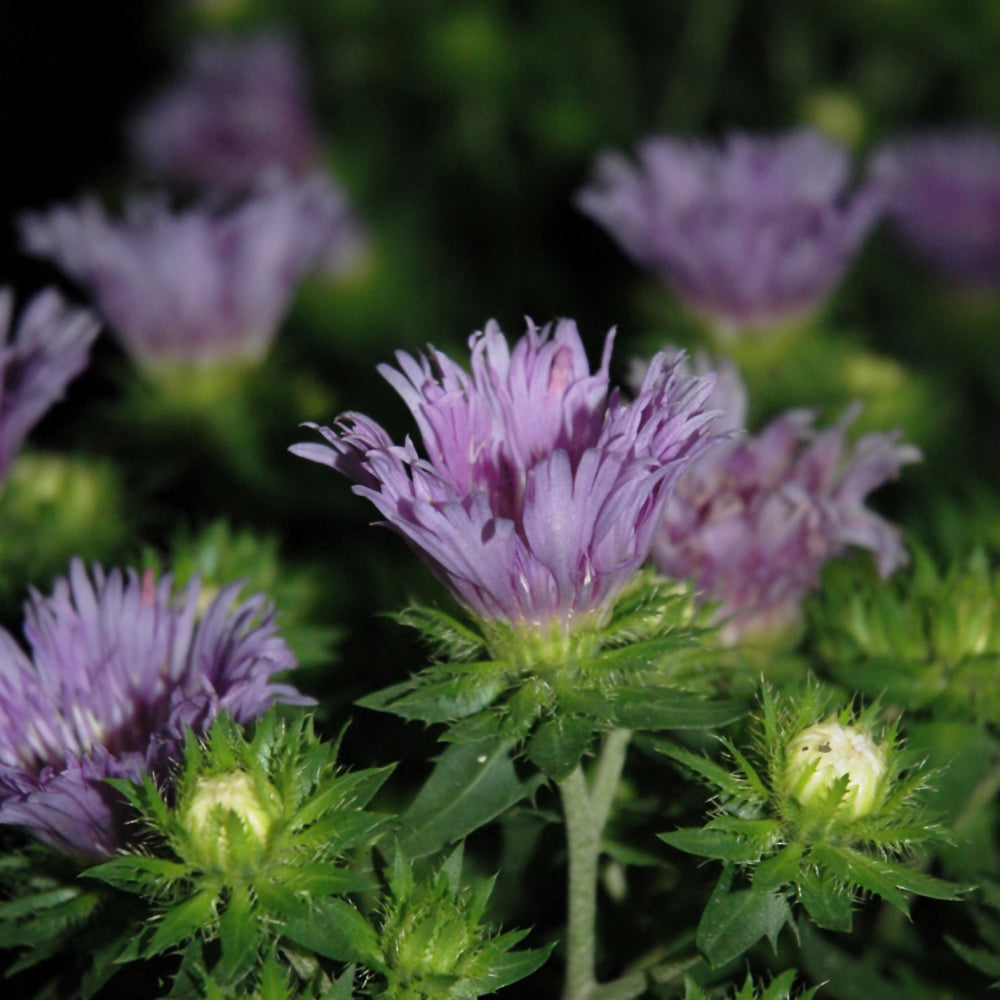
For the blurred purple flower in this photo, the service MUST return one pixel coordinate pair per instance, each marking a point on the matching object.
(539, 496)
(754, 521)
(944, 201)
(198, 286)
(237, 111)
(752, 234)
(120, 666)
(50, 346)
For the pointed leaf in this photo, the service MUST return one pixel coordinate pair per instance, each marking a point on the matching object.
(559, 744)
(472, 784)
(740, 841)
(735, 921)
(656, 708)
(828, 903)
(333, 929)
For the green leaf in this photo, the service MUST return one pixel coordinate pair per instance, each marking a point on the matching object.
(558, 745)
(137, 872)
(982, 960)
(743, 788)
(727, 839)
(239, 935)
(38, 902)
(333, 929)
(181, 922)
(507, 969)
(827, 903)
(735, 921)
(472, 784)
(477, 687)
(655, 708)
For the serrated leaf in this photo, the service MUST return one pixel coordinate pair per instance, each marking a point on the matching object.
(506, 969)
(655, 708)
(726, 839)
(357, 787)
(477, 687)
(136, 872)
(38, 902)
(49, 922)
(239, 936)
(558, 745)
(472, 784)
(856, 869)
(735, 921)
(732, 785)
(334, 929)
(827, 903)
(181, 922)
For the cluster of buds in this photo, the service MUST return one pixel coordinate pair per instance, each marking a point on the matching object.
(928, 639)
(434, 940)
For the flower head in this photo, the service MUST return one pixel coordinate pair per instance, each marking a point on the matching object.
(198, 286)
(539, 495)
(752, 234)
(119, 667)
(945, 201)
(237, 111)
(48, 347)
(755, 520)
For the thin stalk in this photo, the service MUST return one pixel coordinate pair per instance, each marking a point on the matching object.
(586, 810)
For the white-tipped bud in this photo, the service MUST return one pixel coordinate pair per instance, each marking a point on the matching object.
(825, 752)
(206, 816)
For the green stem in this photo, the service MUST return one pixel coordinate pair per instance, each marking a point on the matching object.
(586, 811)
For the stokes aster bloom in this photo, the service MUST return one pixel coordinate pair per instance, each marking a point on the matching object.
(752, 234)
(539, 496)
(237, 111)
(945, 201)
(754, 521)
(198, 286)
(49, 347)
(119, 667)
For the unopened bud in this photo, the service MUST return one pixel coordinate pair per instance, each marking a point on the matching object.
(214, 800)
(821, 754)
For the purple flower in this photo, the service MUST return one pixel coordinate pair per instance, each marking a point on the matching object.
(945, 201)
(754, 521)
(119, 667)
(539, 495)
(198, 286)
(237, 111)
(50, 346)
(752, 234)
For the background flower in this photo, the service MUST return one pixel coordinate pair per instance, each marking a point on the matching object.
(752, 233)
(540, 494)
(119, 667)
(237, 110)
(41, 354)
(755, 519)
(945, 200)
(199, 286)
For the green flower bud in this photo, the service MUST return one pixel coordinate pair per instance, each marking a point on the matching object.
(214, 802)
(824, 753)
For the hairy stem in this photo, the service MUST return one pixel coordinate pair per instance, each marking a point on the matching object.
(586, 809)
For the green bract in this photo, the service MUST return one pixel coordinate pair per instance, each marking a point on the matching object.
(804, 831)
(646, 668)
